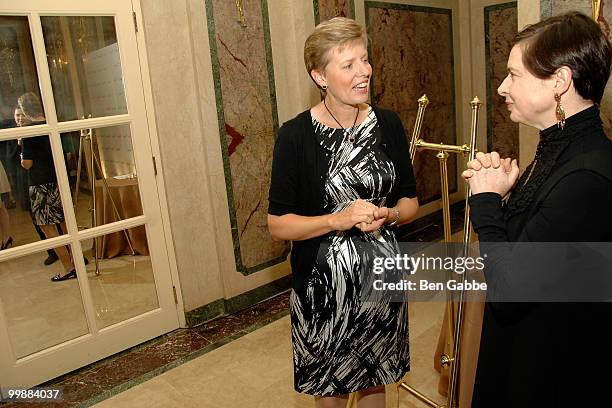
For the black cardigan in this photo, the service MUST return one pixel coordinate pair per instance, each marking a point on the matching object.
(300, 166)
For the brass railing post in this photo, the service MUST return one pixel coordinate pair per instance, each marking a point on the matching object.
(455, 314)
(596, 9)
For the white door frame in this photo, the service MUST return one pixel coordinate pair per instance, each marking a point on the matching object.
(99, 343)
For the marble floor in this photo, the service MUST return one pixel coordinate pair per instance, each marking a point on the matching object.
(239, 360)
(41, 313)
(236, 361)
(256, 371)
(255, 368)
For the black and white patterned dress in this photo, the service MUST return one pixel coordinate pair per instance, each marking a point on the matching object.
(343, 341)
(45, 201)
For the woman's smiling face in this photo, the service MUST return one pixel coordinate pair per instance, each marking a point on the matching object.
(20, 118)
(347, 74)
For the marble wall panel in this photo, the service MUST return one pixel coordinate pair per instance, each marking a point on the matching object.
(556, 7)
(246, 104)
(326, 9)
(411, 51)
(500, 28)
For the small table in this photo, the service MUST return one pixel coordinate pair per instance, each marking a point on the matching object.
(126, 196)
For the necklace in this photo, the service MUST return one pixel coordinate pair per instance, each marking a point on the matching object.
(351, 134)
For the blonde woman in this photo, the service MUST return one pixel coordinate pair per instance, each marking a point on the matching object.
(341, 178)
(45, 200)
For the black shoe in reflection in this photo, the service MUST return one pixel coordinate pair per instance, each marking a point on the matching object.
(51, 259)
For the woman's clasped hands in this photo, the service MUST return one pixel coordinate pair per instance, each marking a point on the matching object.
(360, 214)
(489, 173)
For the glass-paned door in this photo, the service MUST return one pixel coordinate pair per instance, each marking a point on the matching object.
(84, 271)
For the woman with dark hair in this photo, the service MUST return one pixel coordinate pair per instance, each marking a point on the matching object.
(341, 176)
(542, 353)
(45, 200)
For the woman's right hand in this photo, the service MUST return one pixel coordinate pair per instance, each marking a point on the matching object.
(491, 173)
(360, 211)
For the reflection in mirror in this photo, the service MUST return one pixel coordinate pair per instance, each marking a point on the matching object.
(116, 195)
(85, 66)
(31, 208)
(39, 313)
(17, 70)
(124, 285)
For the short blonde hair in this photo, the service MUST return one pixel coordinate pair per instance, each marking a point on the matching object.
(336, 32)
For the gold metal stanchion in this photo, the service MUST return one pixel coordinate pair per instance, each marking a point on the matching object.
(92, 162)
(475, 104)
(596, 9)
(455, 313)
(442, 157)
(423, 102)
(419, 395)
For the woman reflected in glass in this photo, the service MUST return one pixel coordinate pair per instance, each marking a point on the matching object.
(45, 201)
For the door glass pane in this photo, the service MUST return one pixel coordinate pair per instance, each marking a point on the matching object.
(40, 313)
(85, 67)
(124, 286)
(117, 196)
(31, 208)
(17, 74)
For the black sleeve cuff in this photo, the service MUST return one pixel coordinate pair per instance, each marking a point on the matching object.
(276, 208)
(486, 211)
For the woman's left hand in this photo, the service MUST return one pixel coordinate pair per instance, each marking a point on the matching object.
(381, 216)
(378, 221)
(490, 173)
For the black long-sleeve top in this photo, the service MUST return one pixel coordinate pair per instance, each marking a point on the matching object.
(547, 354)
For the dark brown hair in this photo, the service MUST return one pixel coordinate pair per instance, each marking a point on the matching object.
(572, 40)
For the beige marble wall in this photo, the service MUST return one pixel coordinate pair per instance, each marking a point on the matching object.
(326, 9)
(500, 29)
(181, 77)
(528, 13)
(488, 61)
(246, 99)
(290, 23)
(406, 64)
(180, 127)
